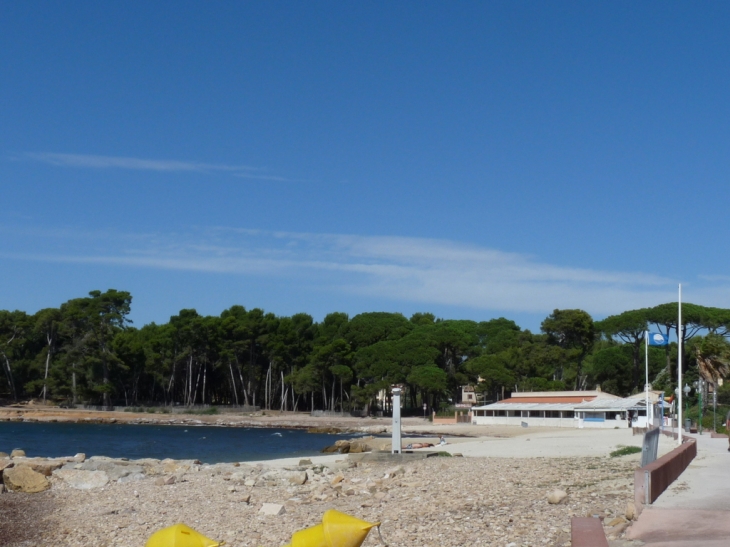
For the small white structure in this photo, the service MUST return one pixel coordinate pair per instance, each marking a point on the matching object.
(396, 444)
(593, 409)
(657, 408)
(468, 395)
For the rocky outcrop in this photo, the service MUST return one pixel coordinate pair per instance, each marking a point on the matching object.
(24, 479)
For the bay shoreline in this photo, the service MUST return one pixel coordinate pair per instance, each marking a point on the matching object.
(496, 494)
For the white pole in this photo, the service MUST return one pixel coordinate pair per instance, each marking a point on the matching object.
(679, 366)
(646, 371)
(396, 444)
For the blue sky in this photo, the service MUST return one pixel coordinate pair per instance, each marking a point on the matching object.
(474, 160)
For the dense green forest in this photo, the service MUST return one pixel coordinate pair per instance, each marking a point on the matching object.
(87, 352)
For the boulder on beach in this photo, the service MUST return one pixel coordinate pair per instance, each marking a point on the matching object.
(24, 479)
(17, 453)
(557, 496)
(44, 466)
(81, 479)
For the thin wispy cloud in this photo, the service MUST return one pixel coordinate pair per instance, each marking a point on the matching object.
(90, 161)
(427, 271)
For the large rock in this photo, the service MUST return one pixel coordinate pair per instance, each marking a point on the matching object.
(6, 462)
(395, 471)
(117, 472)
(17, 453)
(298, 478)
(134, 477)
(44, 467)
(81, 479)
(165, 481)
(557, 496)
(24, 479)
(359, 447)
(631, 510)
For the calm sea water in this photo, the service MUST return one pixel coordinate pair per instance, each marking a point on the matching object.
(205, 443)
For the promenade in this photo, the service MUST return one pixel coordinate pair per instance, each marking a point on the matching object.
(695, 509)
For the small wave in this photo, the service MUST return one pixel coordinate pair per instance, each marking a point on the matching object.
(277, 434)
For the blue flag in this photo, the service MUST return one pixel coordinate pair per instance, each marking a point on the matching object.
(657, 339)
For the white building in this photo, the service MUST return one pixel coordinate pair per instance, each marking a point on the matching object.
(589, 409)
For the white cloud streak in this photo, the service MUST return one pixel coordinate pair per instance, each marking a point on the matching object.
(427, 271)
(91, 161)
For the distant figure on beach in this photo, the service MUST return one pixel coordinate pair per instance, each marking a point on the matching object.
(727, 427)
(443, 441)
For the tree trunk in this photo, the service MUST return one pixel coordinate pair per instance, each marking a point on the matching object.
(48, 362)
(205, 377)
(283, 394)
(195, 392)
(73, 384)
(233, 382)
(9, 374)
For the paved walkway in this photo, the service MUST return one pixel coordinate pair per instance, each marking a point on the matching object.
(695, 509)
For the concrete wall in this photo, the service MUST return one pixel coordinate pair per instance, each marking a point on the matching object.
(459, 418)
(532, 421)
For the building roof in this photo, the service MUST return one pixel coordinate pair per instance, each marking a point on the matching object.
(549, 394)
(654, 395)
(525, 406)
(593, 404)
(611, 404)
(523, 400)
(575, 397)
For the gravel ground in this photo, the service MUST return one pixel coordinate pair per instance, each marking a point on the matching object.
(24, 518)
(433, 502)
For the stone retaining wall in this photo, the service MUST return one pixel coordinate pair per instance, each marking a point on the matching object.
(459, 418)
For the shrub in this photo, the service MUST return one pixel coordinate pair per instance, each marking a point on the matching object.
(625, 451)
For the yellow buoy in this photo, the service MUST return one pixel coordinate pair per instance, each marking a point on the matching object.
(310, 537)
(342, 530)
(180, 535)
(337, 530)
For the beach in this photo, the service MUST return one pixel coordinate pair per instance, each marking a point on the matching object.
(493, 490)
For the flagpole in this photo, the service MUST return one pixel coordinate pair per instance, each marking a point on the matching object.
(679, 365)
(646, 371)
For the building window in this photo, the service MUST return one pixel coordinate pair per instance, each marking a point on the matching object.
(535, 414)
(595, 417)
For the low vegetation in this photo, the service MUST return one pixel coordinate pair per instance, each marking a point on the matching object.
(625, 451)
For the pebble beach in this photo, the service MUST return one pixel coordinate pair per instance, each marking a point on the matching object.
(506, 488)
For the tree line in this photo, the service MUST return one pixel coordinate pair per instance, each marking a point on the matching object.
(87, 352)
